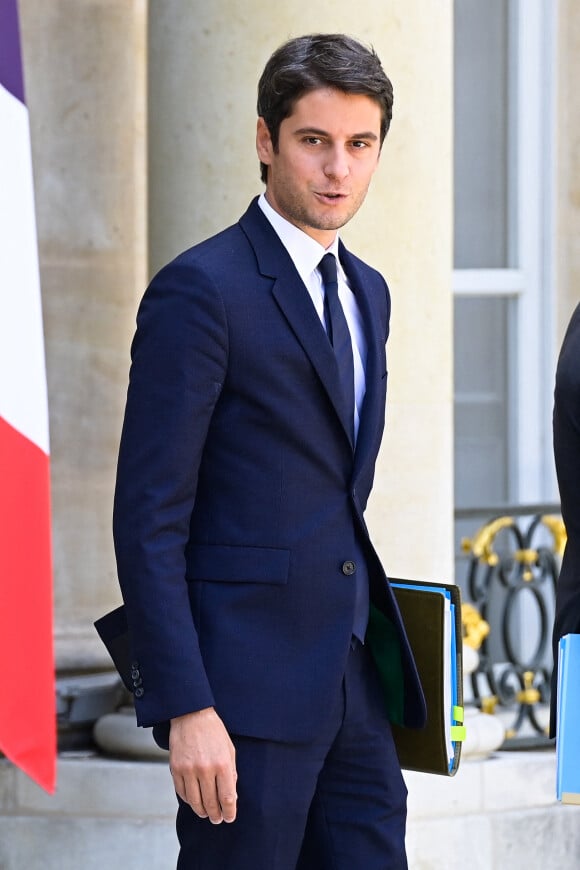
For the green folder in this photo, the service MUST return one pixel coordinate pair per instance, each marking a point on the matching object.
(431, 614)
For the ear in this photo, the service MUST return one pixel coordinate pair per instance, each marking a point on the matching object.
(264, 142)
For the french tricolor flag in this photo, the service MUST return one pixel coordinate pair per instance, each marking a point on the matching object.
(27, 681)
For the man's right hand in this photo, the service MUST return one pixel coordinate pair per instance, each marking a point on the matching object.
(202, 760)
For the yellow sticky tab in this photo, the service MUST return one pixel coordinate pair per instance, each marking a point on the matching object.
(458, 715)
(458, 733)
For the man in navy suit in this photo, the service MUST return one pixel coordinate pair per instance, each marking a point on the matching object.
(254, 417)
(567, 456)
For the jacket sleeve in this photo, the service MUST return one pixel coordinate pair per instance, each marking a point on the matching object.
(179, 360)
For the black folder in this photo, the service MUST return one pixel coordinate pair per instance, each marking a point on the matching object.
(431, 613)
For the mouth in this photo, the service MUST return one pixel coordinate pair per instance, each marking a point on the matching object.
(331, 197)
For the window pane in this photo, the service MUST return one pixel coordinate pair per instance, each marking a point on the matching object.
(481, 134)
(481, 401)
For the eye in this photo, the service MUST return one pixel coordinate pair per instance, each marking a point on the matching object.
(312, 140)
(358, 144)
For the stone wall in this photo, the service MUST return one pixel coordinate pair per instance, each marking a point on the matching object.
(85, 69)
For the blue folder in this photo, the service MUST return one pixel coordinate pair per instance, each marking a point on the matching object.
(568, 721)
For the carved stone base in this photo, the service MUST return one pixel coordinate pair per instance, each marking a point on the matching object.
(81, 699)
(117, 735)
(484, 733)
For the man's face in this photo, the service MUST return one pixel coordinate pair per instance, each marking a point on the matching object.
(328, 150)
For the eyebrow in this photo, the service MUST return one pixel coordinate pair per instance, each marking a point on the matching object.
(314, 131)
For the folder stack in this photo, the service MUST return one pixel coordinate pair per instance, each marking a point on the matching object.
(431, 613)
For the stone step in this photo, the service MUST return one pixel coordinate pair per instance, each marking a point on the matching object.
(496, 814)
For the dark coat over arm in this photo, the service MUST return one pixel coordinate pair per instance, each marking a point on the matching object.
(567, 456)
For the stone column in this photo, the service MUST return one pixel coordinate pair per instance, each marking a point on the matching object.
(85, 72)
(568, 164)
(205, 60)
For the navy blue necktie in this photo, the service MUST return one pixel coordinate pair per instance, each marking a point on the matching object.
(338, 333)
(339, 336)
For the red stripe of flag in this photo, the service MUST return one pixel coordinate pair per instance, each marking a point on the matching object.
(27, 683)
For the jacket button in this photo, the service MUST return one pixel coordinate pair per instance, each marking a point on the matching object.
(135, 674)
(348, 568)
(139, 692)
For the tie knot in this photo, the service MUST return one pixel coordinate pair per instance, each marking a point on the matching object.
(327, 268)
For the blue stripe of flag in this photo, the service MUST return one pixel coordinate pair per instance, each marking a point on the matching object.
(10, 53)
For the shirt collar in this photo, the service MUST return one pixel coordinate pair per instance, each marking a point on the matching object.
(305, 252)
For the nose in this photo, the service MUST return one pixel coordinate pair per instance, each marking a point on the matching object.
(337, 165)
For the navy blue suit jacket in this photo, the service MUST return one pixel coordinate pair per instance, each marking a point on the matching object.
(239, 495)
(567, 456)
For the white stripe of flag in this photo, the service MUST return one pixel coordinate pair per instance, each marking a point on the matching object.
(27, 680)
(23, 401)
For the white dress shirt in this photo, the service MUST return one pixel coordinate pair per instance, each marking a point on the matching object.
(306, 253)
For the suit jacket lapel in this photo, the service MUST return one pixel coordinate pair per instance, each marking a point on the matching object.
(295, 303)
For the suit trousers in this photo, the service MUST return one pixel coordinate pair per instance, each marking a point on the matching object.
(337, 803)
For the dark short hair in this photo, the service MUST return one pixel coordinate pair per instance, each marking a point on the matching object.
(320, 60)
